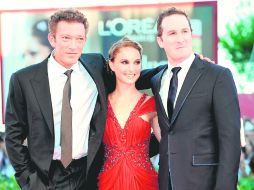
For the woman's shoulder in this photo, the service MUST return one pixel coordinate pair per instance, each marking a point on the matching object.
(149, 103)
(149, 98)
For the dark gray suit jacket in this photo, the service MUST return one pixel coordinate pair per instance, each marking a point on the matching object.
(202, 142)
(29, 115)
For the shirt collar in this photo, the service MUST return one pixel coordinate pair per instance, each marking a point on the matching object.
(185, 65)
(58, 69)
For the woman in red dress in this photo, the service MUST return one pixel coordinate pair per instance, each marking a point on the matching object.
(130, 117)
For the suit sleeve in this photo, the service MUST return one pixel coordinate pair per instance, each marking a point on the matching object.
(16, 132)
(144, 81)
(227, 118)
(153, 146)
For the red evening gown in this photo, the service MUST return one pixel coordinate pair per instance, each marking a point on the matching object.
(127, 164)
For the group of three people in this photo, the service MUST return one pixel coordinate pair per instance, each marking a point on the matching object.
(111, 119)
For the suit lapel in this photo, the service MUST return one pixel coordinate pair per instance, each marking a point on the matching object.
(191, 78)
(40, 85)
(156, 80)
(96, 75)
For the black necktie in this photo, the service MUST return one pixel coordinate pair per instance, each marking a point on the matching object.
(172, 91)
(66, 123)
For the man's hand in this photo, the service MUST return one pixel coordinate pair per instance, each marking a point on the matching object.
(205, 58)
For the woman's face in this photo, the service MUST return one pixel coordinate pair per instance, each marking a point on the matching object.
(126, 65)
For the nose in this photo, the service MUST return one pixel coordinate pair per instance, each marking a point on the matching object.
(131, 67)
(73, 44)
(180, 37)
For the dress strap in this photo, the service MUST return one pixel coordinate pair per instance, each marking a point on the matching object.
(147, 106)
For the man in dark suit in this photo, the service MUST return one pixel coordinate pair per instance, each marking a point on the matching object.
(198, 114)
(34, 111)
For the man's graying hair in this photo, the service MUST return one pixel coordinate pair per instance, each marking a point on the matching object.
(68, 15)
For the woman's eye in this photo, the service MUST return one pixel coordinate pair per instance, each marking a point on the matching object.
(124, 62)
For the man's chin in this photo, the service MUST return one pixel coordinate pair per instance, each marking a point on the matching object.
(73, 59)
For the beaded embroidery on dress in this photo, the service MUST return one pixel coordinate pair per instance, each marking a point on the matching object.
(127, 164)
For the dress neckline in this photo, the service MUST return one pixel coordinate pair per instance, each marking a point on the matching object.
(139, 102)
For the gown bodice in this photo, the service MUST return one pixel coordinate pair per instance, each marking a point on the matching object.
(127, 148)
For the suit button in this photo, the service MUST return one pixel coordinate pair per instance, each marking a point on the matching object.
(171, 132)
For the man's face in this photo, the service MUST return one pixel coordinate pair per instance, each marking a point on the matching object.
(176, 38)
(68, 41)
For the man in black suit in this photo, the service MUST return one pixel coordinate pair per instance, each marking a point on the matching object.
(198, 114)
(34, 108)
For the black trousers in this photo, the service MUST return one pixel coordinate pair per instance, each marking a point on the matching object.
(169, 182)
(70, 178)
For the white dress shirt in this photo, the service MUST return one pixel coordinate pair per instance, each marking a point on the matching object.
(167, 75)
(83, 99)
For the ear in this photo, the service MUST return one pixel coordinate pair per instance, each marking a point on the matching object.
(159, 41)
(52, 40)
(111, 65)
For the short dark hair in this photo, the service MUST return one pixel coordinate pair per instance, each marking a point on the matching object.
(68, 15)
(166, 13)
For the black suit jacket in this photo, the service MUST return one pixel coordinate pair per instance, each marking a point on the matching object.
(29, 115)
(201, 145)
